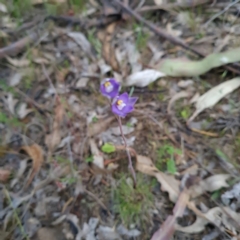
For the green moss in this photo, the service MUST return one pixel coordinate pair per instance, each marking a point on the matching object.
(133, 204)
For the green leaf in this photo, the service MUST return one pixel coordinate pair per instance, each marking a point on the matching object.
(171, 167)
(108, 148)
(221, 154)
(89, 159)
(94, 119)
(215, 195)
(3, 118)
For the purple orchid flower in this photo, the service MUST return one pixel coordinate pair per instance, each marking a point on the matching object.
(110, 87)
(123, 104)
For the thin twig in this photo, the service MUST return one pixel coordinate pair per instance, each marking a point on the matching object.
(221, 12)
(171, 6)
(17, 47)
(164, 34)
(130, 166)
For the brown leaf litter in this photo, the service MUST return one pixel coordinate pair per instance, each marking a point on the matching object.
(35, 152)
(54, 138)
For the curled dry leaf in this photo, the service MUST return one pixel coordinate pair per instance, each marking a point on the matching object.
(97, 157)
(35, 152)
(214, 95)
(4, 174)
(18, 62)
(224, 217)
(168, 227)
(81, 40)
(171, 185)
(23, 111)
(143, 78)
(210, 184)
(108, 51)
(168, 183)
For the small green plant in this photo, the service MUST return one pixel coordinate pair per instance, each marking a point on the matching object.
(185, 113)
(141, 37)
(12, 122)
(128, 124)
(94, 41)
(18, 7)
(7, 88)
(165, 159)
(133, 204)
(68, 180)
(94, 119)
(77, 5)
(89, 159)
(216, 194)
(108, 148)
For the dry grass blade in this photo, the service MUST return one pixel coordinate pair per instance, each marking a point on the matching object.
(54, 138)
(35, 152)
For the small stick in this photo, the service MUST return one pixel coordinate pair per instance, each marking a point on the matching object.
(220, 13)
(17, 47)
(164, 34)
(130, 166)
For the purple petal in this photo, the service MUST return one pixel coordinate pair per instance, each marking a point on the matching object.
(128, 109)
(115, 88)
(118, 112)
(132, 100)
(124, 97)
(103, 91)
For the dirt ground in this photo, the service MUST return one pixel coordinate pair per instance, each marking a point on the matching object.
(71, 167)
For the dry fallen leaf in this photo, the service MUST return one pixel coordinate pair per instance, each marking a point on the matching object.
(81, 40)
(224, 217)
(53, 139)
(50, 234)
(4, 174)
(143, 78)
(3, 8)
(171, 185)
(35, 152)
(18, 62)
(97, 157)
(168, 227)
(210, 184)
(168, 182)
(214, 95)
(100, 126)
(108, 52)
